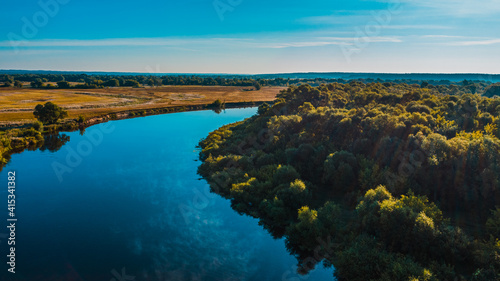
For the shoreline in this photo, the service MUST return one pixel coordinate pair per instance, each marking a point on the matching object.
(131, 113)
(72, 125)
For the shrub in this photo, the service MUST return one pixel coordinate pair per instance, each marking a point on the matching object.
(37, 125)
(49, 113)
(80, 119)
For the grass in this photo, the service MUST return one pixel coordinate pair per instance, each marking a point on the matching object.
(16, 105)
(28, 99)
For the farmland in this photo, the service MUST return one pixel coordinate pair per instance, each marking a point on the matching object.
(16, 105)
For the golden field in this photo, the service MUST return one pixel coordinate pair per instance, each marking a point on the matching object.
(16, 105)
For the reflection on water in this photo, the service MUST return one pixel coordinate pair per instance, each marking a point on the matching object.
(134, 205)
(53, 143)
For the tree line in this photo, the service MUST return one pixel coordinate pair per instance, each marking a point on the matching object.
(86, 81)
(384, 181)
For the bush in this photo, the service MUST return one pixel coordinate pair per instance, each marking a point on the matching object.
(80, 119)
(49, 113)
(218, 104)
(492, 90)
(37, 125)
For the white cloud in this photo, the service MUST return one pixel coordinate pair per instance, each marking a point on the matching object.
(341, 17)
(417, 26)
(438, 36)
(476, 42)
(370, 18)
(361, 20)
(456, 7)
(373, 39)
(102, 42)
(288, 41)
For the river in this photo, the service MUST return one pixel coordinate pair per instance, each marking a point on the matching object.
(123, 201)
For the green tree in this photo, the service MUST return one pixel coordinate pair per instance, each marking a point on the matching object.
(49, 113)
(38, 83)
(492, 90)
(63, 85)
(18, 84)
(493, 223)
(263, 108)
(131, 83)
(37, 125)
(150, 82)
(80, 119)
(112, 83)
(218, 104)
(9, 79)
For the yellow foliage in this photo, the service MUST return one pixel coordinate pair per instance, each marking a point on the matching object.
(470, 136)
(297, 186)
(424, 221)
(307, 215)
(490, 129)
(240, 187)
(378, 194)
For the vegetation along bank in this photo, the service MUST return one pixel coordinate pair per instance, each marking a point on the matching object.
(384, 181)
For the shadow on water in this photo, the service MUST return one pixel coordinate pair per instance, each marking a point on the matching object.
(51, 142)
(54, 142)
(135, 208)
(217, 110)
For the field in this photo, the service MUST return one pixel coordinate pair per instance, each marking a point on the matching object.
(16, 105)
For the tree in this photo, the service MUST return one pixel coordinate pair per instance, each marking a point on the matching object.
(121, 80)
(63, 85)
(112, 83)
(131, 83)
(493, 223)
(151, 82)
(49, 113)
(263, 108)
(218, 104)
(257, 86)
(80, 119)
(37, 125)
(18, 84)
(38, 83)
(492, 90)
(9, 79)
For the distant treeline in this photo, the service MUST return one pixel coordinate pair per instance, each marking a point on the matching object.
(453, 77)
(86, 81)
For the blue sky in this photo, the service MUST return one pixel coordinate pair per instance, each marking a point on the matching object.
(251, 36)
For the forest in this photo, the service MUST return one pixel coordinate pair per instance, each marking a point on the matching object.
(86, 81)
(384, 181)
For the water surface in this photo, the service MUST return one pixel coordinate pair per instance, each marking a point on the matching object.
(123, 202)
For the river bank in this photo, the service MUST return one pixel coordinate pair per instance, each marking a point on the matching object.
(135, 194)
(19, 138)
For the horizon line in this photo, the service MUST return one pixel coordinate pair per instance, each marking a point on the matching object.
(252, 74)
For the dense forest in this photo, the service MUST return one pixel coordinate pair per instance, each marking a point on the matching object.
(384, 181)
(86, 81)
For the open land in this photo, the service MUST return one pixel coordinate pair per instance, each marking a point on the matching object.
(16, 105)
